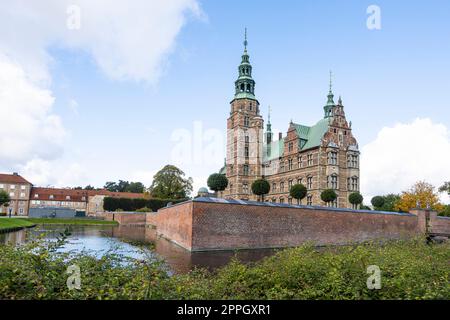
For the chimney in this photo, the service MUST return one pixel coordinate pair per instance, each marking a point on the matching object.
(280, 135)
(15, 174)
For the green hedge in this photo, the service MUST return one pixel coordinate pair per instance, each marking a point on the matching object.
(126, 204)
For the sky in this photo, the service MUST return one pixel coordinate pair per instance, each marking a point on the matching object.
(96, 91)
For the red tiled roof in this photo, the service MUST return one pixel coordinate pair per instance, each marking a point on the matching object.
(60, 194)
(12, 178)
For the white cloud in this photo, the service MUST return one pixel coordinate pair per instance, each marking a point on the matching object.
(129, 40)
(28, 127)
(73, 106)
(404, 154)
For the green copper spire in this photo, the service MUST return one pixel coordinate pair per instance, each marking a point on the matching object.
(269, 132)
(330, 103)
(245, 85)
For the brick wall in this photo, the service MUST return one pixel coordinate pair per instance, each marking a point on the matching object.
(124, 218)
(210, 225)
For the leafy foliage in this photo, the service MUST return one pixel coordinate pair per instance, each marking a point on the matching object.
(125, 186)
(260, 187)
(409, 270)
(298, 191)
(378, 202)
(4, 198)
(169, 183)
(217, 182)
(445, 212)
(355, 198)
(421, 193)
(445, 188)
(328, 195)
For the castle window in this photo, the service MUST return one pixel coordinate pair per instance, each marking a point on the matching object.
(281, 166)
(245, 188)
(332, 182)
(299, 160)
(334, 204)
(281, 200)
(251, 106)
(290, 164)
(246, 152)
(352, 161)
(274, 200)
(274, 187)
(310, 159)
(246, 121)
(290, 184)
(309, 200)
(242, 87)
(291, 146)
(309, 182)
(282, 186)
(289, 200)
(248, 87)
(353, 184)
(245, 169)
(332, 158)
(247, 139)
(299, 181)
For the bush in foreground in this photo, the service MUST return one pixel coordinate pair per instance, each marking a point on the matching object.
(409, 270)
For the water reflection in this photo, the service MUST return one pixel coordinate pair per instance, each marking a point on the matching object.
(124, 239)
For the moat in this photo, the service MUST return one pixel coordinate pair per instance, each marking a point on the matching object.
(135, 242)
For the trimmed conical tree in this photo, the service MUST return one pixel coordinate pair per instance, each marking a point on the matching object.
(260, 187)
(298, 191)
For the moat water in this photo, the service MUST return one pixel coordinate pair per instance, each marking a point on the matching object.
(135, 242)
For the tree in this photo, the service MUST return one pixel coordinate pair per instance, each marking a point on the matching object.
(355, 199)
(390, 201)
(378, 202)
(111, 186)
(421, 195)
(169, 183)
(217, 182)
(135, 187)
(298, 191)
(328, 196)
(445, 212)
(89, 187)
(445, 188)
(4, 198)
(260, 187)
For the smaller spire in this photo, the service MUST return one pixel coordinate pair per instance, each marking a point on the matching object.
(245, 40)
(330, 101)
(340, 101)
(269, 125)
(269, 115)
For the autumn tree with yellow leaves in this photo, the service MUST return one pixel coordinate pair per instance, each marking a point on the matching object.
(421, 194)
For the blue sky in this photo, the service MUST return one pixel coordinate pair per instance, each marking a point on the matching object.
(122, 128)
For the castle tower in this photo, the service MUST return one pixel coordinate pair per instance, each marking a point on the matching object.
(244, 134)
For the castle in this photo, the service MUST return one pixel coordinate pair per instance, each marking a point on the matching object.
(322, 156)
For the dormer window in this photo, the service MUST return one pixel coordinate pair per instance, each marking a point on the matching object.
(51, 196)
(67, 197)
(36, 195)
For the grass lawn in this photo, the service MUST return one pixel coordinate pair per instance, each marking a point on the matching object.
(74, 221)
(7, 223)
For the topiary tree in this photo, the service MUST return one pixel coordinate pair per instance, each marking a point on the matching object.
(260, 187)
(298, 191)
(4, 199)
(355, 199)
(328, 196)
(378, 202)
(217, 182)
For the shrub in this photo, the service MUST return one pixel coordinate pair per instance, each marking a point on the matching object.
(298, 191)
(378, 201)
(355, 198)
(328, 195)
(144, 209)
(260, 187)
(217, 182)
